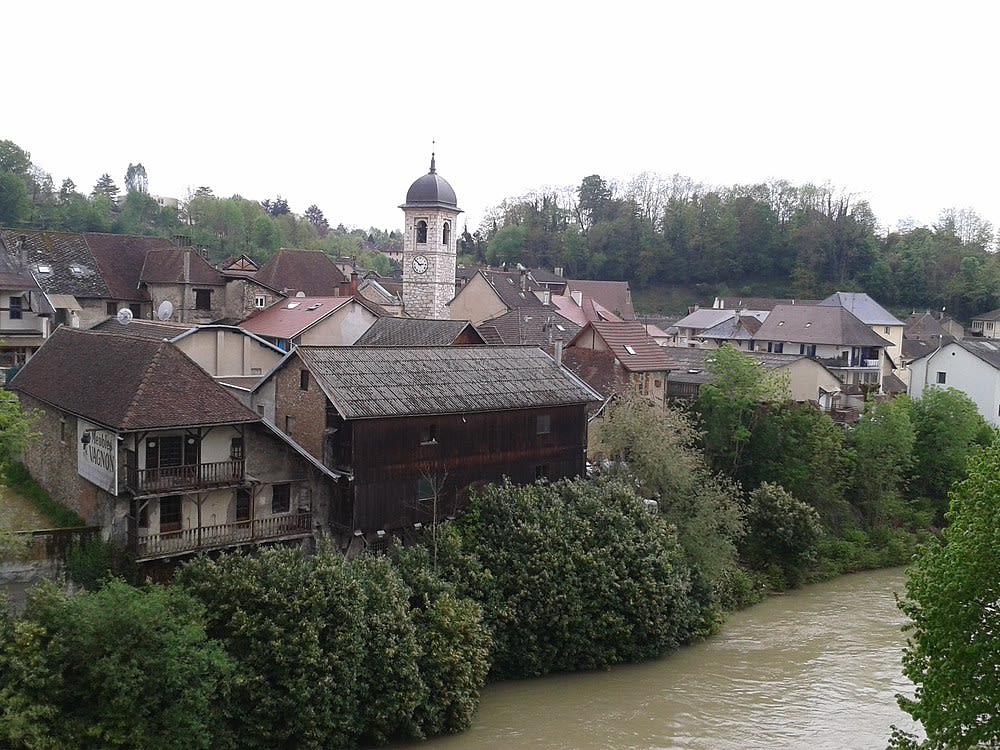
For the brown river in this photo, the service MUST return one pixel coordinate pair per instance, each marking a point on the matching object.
(815, 668)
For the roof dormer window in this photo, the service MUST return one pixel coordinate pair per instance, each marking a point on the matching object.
(44, 268)
(629, 349)
(76, 270)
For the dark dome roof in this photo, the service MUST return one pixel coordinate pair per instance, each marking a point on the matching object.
(431, 190)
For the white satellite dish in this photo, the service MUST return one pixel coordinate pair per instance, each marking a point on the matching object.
(300, 294)
(124, 316)
(165, 310)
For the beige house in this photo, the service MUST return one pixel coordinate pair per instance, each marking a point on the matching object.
(312, 321)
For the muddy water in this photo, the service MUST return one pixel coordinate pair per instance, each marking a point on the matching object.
(815, 668)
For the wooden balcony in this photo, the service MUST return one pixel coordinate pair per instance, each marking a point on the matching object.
(208, 538)
(184, 478)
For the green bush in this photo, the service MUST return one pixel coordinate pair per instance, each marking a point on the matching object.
(575, 575)
(117, 668)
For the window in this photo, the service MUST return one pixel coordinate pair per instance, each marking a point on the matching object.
(260, 301)
(303, 380)
(202, 299)
(775, 347)
(887, 329)
(808, 349)
(428, 434)
(136, 310)
(422, 232)
(62, 430)
(289, 424)
(425, 489)
(236, 449)
(541, 472)
(170, 513)
(16, 307)
(242, 505)
(111, 308)
(446, 234)
(941, 378)
(543, 424)
(281, 498)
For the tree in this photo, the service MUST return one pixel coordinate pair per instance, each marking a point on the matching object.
(797, 446)
(14, 159)
(729, 405)
(136, 180)
(953, 642)
(105, 186)
(277, 207)
(116, 668)
(575, 575)
(15, 428)
(15, 205)
(315, 217)
(883, 446)
(658, 450)
(949, 429)
(781, 532)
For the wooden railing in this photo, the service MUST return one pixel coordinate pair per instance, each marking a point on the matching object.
(149, 546)
(166, 478)
(54, 544)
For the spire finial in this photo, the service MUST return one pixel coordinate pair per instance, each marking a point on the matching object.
(433, 170)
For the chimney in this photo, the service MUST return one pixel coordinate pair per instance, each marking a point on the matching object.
(558, 352)
(558, 271)
(354, 283)
(187, 267)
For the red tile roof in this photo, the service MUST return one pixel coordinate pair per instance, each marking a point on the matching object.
(614, 296)
(292, 316)
(630, 344)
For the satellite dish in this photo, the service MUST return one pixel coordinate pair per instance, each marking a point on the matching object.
(165, 310)
(124, 316)
(300, 294)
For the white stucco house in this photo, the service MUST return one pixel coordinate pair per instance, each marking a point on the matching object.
(969, 366)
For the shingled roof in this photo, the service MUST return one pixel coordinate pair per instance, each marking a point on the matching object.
(157, 330)
(88, 265)
(538, 327)
(612, 295)
(166, 266)
(390, 331)
(863, 307)
(312, 272)
(126, 383)
(816, 324)
(629, 342)
(371, 382)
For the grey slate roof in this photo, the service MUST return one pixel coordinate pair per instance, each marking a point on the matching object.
(817, 324)
(157, 330)
(987, 351)
(991, 315)
(534, 326)
(390, 331)
(370, 382)
(863, 307)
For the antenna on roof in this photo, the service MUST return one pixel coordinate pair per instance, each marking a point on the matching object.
(433, 170)
(124, 316)
(165, 310)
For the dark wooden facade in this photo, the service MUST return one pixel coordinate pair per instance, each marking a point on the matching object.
(422, 468)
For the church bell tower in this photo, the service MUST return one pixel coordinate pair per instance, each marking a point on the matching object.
(429, 246)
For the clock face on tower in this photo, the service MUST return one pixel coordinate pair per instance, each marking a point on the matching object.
(420, 264)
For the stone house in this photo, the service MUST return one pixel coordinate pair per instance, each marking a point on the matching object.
(139, 440)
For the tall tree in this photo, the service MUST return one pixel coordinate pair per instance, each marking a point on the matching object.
(135, 179)
(953, 642)
(105, 186)
(315, 217)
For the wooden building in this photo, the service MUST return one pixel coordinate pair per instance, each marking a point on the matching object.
(418, 428)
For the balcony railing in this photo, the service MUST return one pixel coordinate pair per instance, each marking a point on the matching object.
(195, 476)
(204, 538)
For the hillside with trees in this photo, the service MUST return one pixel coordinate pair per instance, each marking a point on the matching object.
(678, 242)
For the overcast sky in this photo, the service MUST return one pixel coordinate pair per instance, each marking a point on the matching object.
(337, 103)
